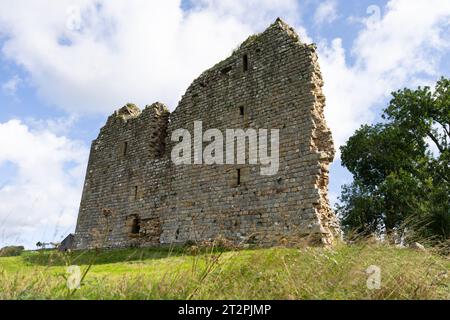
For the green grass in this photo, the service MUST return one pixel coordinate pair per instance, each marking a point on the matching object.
(276, 273)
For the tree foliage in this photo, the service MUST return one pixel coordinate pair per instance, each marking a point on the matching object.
(401, 167)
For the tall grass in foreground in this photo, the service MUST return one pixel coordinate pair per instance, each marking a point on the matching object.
(215, 273)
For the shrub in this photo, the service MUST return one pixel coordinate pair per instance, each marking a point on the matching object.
(11, 251)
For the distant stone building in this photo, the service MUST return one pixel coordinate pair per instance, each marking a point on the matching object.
(135, 195)
(67, 243)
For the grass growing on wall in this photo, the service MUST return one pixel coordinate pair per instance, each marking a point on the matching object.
(211, 273)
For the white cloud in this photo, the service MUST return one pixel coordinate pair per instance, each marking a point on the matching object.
(326, 12)
(41, 199)
(87, 56)
(402, 48)
(10, 87)
(58, 126)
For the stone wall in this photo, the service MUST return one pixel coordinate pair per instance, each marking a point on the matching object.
(135, 195)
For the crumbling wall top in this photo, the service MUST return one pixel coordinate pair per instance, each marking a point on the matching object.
(128, 111)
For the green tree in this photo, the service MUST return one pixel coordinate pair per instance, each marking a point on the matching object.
(397, 180)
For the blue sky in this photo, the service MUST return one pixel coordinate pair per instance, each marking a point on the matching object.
(66, 65)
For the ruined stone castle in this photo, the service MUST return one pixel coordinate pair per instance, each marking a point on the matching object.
(134, 195)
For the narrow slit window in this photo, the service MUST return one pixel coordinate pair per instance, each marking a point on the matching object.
(135, 192)
(125, 148)
(238, 177)
(241, 111)
(245, 62)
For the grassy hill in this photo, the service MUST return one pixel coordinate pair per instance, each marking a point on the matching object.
(191, 273)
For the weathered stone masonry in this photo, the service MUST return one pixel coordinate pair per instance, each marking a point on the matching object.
(135, 195)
